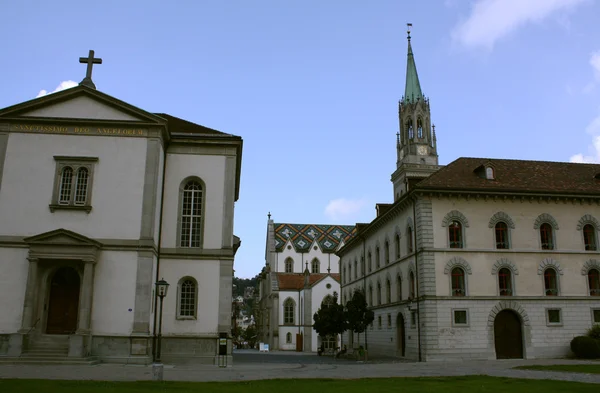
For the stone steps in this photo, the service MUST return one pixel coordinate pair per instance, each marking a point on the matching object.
(47, 360)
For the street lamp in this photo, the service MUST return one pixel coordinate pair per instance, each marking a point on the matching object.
(161, 291)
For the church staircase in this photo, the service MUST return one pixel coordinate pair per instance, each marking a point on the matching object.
(49, 349)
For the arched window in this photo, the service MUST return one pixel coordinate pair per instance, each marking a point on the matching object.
(387, 252)
(315, 266)
(289, 265)
(191, 215)
(288, 338)
(81, 186)
(594, 282)
(327, 301)
(458, 282)
(378, 293)
(397, 245)
(370, 295)
(411, 278)
(409, 127)
(370, 261)
(409, 239)
(288, 311)
(455, 234)
(344, 276)
(187, 299)
(489, 173)
(349, 271)
(501, 230)
(362, 264)
(589, 237)
(355, 269)
(66, 184)
(546, 236)
(399, 287)
(550, 282)
(377, 257)
(388, 291)
(419, 128)
(505, 282)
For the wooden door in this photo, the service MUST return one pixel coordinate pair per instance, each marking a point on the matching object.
(508, 337)
(299, 342)
(63, 303)
(400, 339)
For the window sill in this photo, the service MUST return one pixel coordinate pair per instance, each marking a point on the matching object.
(182, 318)
(85, 208)
(554, 324)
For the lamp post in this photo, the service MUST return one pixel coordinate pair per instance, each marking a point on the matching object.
(157, 368)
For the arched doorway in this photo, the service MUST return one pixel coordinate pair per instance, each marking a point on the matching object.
(400, 338)
(63, 302)
(508, 335)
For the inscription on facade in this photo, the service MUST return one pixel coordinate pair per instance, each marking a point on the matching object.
(80, 130)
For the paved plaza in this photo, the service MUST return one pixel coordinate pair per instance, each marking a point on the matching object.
(252, 365)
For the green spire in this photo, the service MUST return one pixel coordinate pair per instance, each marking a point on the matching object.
(412, 92)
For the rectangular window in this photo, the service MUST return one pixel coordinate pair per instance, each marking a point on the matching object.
(413, 319)
(553, 316)
(459, 317)
(73, 183)
(379, 321)
(596, 315)
(389, 321)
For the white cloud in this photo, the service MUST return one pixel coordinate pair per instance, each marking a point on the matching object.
(593, 155)
(63, 85)
(491, 20)
(344, 209)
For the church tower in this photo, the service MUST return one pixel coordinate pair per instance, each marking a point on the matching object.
(415, 142)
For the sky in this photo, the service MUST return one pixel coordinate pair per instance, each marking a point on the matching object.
(312, 86)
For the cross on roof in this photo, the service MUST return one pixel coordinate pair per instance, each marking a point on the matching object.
(90, 60)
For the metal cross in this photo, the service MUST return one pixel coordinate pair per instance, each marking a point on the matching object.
(90, 60)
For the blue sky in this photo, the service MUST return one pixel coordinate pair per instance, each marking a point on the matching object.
(313, 86)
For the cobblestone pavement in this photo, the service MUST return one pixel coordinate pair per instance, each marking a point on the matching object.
(342, 369)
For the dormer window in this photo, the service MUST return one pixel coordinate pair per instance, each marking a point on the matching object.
(489, 173)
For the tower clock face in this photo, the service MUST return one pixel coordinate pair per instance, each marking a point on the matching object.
(421, 150)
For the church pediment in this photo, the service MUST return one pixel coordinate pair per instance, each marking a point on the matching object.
(81, 103)
(62, 237)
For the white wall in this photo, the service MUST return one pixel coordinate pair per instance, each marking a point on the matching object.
(114, 293)
(28, 181)
(206, 273)
(211, 169)
(326, 259)
(14, 268)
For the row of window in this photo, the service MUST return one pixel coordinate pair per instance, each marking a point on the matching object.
(315, 265)
(73, 190)
(459, 285)
(456, 221)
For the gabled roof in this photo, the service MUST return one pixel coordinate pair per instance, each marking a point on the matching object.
(295, 281)
(177, 125)
(521, 176)
(302, 236)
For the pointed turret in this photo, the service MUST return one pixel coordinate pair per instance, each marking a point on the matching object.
(412, 91)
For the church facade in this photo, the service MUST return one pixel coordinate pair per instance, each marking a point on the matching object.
(480, 259)
(98, 201)
(301, 273)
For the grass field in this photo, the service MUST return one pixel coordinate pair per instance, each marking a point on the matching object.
(472, 384)
(569, 368)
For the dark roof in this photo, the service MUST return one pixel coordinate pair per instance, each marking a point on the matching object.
(178, 125)
(295, 281)
(468, 174)
(302, 236)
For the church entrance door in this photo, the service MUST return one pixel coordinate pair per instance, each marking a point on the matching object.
(400, 335)
(63, 303)
(508, 337)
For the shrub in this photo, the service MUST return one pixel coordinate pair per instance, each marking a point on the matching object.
(594, 332)
(585, 347)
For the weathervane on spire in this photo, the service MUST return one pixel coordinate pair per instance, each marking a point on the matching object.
(408, 26)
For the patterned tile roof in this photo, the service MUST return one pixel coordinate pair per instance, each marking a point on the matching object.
(295, 281)
(303, 235)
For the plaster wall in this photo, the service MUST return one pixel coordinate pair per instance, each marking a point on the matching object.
(14, 267)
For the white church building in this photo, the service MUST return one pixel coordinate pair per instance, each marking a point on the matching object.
(98, 201)
(301, 273)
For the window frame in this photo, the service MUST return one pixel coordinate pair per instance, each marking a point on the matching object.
(551, 243)
(178, 314)
(594, 235)
(288, 338)
(596, 290)
(453, 317)
(388, 291)
(289, 302)
(454, 291)
(182, 190)
(412, 292)
(593, 311)
(75, 163)
(510, 281)
(560, 316)
(506, 231)
(456, 228)
(318, 266)
(399, 287)
(409, 240)
(386, 252)
(285, 265)
(546, 289)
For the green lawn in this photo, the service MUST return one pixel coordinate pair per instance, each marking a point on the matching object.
(470, 384)
(569, 368)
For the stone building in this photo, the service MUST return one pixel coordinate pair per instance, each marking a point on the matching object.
(301, 272)
(480, 259)
(90, 186)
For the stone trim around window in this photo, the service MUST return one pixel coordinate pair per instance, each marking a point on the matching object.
(180, 192)
(458, 314)
(75, 163)
(455, 215)
(588, 219)
(501, 217)
(595, 316)
(554, 317)
(178, 314)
